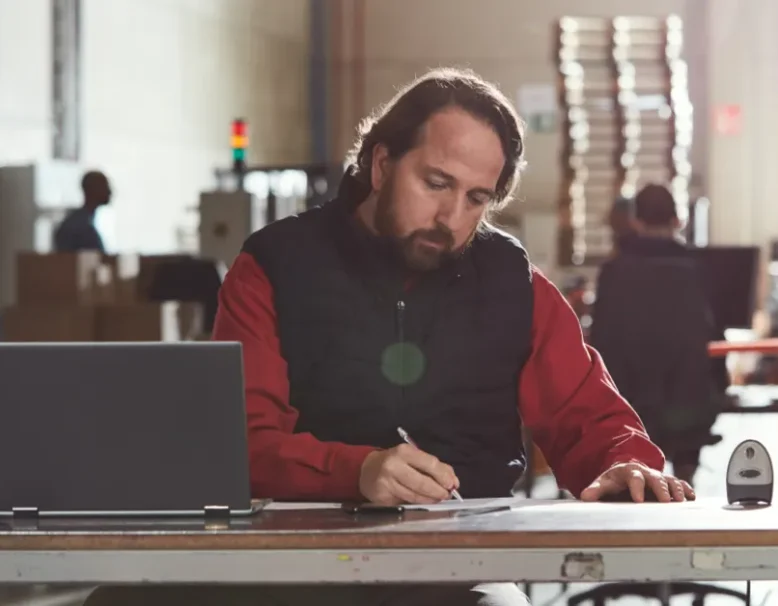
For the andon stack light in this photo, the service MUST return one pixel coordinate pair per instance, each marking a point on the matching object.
(240, 143)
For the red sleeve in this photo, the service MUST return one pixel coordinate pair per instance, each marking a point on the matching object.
(569, 402)
(284, 464)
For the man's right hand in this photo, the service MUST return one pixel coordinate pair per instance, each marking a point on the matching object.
(406, 474)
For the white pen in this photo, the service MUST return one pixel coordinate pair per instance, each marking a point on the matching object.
(407, 439)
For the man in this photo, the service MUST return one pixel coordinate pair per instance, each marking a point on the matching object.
(652, 323)
(78, 232)
(657, 226)
(398, 305)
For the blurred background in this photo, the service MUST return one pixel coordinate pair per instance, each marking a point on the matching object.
(615, 95)
(210, 118)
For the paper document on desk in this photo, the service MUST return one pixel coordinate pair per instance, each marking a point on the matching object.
(299, 506)
(451, 505)
(470, 504)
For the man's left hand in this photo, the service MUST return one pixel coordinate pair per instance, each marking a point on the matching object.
(637, 478)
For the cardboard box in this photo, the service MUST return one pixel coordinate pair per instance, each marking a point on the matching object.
(125, 269)
(170, 321)
(47, 323)
(61, 278)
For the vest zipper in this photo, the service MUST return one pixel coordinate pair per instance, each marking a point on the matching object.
(401, 340)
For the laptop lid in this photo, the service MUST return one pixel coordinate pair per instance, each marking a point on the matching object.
(123, 428)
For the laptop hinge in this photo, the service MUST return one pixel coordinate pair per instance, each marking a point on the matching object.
(216, 511)
(25, 513)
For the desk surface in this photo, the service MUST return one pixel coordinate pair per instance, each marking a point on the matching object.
(535, 541)
(531, 525)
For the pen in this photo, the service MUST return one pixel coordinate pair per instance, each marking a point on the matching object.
(407, 439)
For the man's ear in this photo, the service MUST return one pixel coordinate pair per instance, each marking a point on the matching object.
(380, 166)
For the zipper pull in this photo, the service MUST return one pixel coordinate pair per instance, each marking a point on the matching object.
(400, 319)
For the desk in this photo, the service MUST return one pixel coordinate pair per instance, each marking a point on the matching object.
(558, 541)
(752, 399)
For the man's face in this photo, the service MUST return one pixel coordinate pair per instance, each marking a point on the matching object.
(432, 200)
(104, 193)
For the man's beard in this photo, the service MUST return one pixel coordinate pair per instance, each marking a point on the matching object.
(414, 249)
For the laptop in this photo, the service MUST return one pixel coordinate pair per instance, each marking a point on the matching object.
(123, 429)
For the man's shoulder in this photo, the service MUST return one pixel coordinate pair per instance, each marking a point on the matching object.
(290, 232)
(495, 241)
(499, 254)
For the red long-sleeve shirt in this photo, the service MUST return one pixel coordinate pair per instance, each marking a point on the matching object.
(566, 399)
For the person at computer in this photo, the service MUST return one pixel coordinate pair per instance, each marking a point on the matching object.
(397, 304)
(78, 232)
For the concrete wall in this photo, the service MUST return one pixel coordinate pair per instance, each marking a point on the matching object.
(162, 80)
(25, 80)
(742, 167)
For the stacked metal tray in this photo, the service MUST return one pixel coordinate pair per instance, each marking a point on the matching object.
(627, 122)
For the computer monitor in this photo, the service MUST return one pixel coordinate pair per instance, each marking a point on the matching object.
(731, 274)
(123, 429)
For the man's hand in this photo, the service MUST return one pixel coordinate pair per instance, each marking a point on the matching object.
(406, 474)
(636, 478)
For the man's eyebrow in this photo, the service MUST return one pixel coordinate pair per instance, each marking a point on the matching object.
(485, 191)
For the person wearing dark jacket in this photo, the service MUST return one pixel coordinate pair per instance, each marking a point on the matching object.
(652, 322)
(77, 232)
(397, 304)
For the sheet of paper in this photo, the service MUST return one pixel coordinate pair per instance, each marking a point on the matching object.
(299, 506)
(467, 504)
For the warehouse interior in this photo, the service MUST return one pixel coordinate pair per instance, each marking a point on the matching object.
(212, 119)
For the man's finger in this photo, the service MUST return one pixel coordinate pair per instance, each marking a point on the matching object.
(680, 490)
(659, 485)
(420, 484)
(636, 483)
(431, 466)
(688, 490)
(602, 486)
(405, 495)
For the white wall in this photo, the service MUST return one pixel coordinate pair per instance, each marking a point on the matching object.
(743, 66)
(25, 80)
(162, 81)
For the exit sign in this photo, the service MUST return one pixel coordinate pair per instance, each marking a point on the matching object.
(728, 120)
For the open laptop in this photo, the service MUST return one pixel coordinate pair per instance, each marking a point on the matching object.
(104, 429)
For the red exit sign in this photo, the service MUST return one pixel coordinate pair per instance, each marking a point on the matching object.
(728, 120)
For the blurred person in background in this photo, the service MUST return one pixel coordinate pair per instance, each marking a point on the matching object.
(652, 323)
(656, 226)
(77, 232)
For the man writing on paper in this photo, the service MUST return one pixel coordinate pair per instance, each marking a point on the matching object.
(398, 305)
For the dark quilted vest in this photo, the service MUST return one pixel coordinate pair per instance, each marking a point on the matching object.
(366, 355)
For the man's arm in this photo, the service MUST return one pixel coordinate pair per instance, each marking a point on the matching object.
(284, 464)
(569, 402)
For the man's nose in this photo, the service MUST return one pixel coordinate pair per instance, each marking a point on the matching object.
(452, 210)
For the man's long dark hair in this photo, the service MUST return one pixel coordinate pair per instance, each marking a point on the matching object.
(398, 123)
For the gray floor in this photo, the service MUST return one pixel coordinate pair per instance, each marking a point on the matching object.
(710, 482)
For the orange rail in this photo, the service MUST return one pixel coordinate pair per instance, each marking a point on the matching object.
(719, 349)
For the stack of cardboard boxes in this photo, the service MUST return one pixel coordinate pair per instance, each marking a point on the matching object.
(87, 296)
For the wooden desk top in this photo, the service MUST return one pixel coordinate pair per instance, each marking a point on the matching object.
(530, 525)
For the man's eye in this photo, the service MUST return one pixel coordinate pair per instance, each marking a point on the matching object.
(435, 185)
(480, 200)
